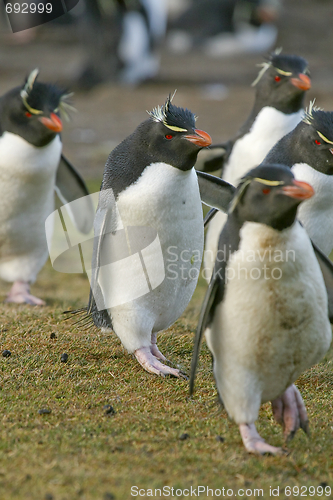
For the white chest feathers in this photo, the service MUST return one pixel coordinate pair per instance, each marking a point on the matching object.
(272, 323)
(168, 200)
(249, 151)
(316, 214)
(21, 160)
(27, 179)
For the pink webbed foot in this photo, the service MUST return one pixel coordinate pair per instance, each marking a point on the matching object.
(148, 361)
(254, 443)
(155, 350)
(289, 411)
(20, 294)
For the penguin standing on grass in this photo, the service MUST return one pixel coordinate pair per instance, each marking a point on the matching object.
(278, 108)
(267, 312)
(308, 151)
(32, 167)
(149, 233)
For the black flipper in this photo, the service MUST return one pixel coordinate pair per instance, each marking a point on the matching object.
(228, 243)
(203, 321)
(214, 191)
(326, 267)
(209, 216)
(69, 187)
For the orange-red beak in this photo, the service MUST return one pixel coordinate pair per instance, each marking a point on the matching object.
(53, 123)
(200, 138)
(299, 190)
(303, 82)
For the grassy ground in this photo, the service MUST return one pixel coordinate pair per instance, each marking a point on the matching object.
(79, 451)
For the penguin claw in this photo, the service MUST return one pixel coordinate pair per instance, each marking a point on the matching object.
(290, 412)
(152, 365)
(254, 443)
(20, 294)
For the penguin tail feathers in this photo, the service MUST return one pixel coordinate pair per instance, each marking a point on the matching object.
(85, 320)
(90, 316)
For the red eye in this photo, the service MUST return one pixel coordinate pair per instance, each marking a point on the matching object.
(277, 78)
(317, 142)
(169, 136)
(28, 115)
(266, 190)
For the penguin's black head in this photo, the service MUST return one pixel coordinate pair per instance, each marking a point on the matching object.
(170, 136)
(282, 82)
(269, 194)
(33, 111)
(312, 140)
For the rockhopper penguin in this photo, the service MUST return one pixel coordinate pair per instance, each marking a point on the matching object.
(278, 108)
(149, 198)
(308, 151)
(267, 312)
(31, 168)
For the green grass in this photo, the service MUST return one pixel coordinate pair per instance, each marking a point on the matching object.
(79, 452)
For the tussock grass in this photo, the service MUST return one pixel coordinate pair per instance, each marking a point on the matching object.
(79, 452)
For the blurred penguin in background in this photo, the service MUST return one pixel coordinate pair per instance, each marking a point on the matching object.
(225, 27)
(32, 167)
(122, 39)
